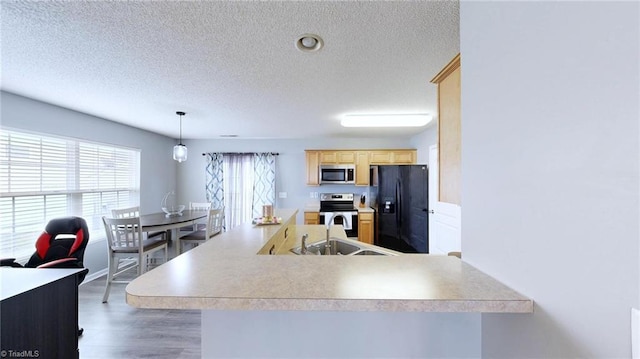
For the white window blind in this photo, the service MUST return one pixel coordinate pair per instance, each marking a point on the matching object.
(45, 177)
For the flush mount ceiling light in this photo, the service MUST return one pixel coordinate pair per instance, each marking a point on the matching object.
(386, 120)
(180, 150)
(309, 43)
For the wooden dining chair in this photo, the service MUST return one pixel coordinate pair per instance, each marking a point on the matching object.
(126, 241)
(213, 227)
(196, 206)
(200, 206)
(131, 212)
(126, 212)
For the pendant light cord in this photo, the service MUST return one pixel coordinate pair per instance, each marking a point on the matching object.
(180, 113)
(181, 129)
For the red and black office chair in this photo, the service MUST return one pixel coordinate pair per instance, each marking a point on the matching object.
(61, 245)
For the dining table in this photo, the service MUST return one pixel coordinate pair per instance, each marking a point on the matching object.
(160, 222)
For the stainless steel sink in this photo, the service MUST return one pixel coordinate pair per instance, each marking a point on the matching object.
(339, 247)
(336, 247)
(368, 252)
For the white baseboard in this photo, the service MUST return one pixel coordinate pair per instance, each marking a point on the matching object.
(95, 275)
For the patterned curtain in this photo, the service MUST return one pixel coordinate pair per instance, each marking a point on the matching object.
(264, 181)
(214, 180)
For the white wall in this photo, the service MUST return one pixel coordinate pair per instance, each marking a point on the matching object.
(157, 168)
(330, 334)
(290, 165)
(550, 171)
(423, 141)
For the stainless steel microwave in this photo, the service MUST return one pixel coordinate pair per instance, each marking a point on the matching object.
(337, 174)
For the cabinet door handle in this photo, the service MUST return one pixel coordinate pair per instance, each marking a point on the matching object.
(272, 250)
(286, 232)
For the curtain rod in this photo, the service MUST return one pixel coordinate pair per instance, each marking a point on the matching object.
(244, 153)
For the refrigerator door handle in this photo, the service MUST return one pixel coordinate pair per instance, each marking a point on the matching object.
(399, 203)
(398, 199)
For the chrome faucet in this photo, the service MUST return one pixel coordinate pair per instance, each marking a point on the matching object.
(303, 247)
(327, 246)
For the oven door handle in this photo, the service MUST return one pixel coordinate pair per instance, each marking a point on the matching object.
(347, 220)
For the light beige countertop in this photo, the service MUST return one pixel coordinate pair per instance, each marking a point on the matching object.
(225, 273)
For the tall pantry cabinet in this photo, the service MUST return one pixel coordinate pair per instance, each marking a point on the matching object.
(449, 132)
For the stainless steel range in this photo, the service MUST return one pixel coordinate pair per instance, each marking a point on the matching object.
(335, 204)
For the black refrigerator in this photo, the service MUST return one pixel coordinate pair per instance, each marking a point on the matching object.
(400, 198)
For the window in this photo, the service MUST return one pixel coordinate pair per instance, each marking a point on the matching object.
(238, 189)
(241, 183)
(44, 177)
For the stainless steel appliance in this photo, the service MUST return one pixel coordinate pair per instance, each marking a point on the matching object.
(334, 204)
(400, 198)
(337, 174)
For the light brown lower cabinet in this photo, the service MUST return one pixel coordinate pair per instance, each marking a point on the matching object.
(365, 227)
(276, 244)
(311, 218)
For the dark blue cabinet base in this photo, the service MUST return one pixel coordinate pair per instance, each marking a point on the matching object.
(41, 322)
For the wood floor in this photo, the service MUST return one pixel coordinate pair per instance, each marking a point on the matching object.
(117, 330)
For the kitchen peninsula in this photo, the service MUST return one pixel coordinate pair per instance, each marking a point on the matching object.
(323, 306)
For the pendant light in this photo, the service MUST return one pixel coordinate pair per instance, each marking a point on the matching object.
(180, 150)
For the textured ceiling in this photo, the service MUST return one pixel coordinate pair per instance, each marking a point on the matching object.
(232, 66)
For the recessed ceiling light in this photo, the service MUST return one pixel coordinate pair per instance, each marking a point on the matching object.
(309, 43)
(386, 120)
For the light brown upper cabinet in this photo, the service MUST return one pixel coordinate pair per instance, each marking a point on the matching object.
(362, 168)
(392, 157)
(449, 138)
(361, 159)
(404, 157)
(313, 167)
(337, 157)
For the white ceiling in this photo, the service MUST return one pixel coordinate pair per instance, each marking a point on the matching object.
(232, 66)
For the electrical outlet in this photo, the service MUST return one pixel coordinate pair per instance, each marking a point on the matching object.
(282, 194)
